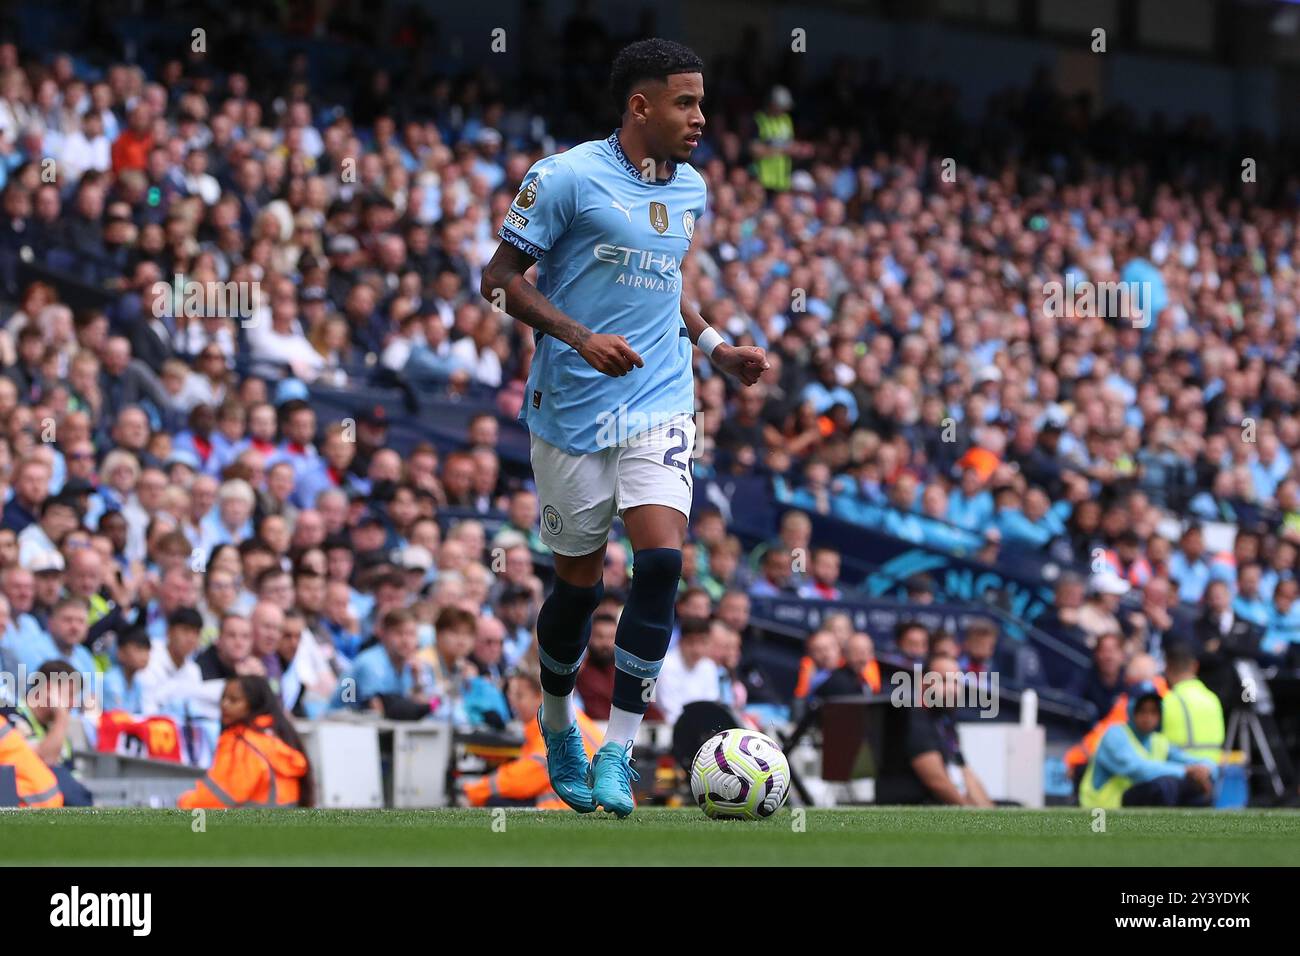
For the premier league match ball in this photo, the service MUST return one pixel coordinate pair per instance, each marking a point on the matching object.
(740, 775)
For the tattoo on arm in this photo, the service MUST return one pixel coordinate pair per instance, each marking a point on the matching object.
(523, 300)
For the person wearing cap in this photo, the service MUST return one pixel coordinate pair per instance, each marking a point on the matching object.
(82, 492)
(47, 570)
(773, 143)
(417, 562)
(487, 164)
(370, 533)
(1136, 766)
(1100, 612)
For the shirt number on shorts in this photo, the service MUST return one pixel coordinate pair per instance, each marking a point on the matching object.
(668, 455)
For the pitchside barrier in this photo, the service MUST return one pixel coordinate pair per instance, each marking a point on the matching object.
(358, 760)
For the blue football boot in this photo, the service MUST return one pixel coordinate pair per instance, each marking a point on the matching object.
(567, 765)
(611, 777)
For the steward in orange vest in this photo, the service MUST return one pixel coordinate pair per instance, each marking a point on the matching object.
(808, 669)
(525, 778)
(259, 760)
(37, 786)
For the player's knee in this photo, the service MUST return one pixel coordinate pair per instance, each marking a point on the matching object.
(657, 570)
(574, 600)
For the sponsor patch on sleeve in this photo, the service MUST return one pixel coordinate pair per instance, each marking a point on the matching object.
(516, 221)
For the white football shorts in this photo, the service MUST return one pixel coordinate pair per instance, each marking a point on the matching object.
(579, 495)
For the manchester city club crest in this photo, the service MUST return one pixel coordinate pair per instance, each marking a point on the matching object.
(688, 223)
(552, 519)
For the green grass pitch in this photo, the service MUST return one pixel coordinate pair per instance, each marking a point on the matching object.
(863, 836)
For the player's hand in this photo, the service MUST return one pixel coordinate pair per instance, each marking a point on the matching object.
(746, 363)
(610, 354)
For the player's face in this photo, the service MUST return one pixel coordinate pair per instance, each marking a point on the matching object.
(675, 120)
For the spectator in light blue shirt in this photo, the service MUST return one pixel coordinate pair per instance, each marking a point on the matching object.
(815, 493)
(1248, 603)
(936, 532)
(1269, 467)
(122, 688)
(826, 391)
(515, 610)
(69, 624)
(1283, 630)
(23, 635)
(1034, 526)
(970, 505)
(390, 667)
(1278, 570)
(1188, 567)
(899, 519)
(231, 521)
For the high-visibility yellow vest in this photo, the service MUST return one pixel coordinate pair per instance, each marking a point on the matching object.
(775, 168)
(1111, 796)
(38, 732)
(1192, 719)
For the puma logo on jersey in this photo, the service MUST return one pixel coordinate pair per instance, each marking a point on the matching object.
(625, 210)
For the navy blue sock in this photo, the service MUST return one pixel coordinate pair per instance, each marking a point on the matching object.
(563, 627)
(646, 627)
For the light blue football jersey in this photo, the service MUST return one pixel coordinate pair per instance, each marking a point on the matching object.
(610, 246)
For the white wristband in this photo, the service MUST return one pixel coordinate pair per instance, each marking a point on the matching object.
(709, 340)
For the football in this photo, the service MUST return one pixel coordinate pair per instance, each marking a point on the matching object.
(740, 775)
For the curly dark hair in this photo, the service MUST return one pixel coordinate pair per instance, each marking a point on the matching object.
(654, 59)
(264, 701)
